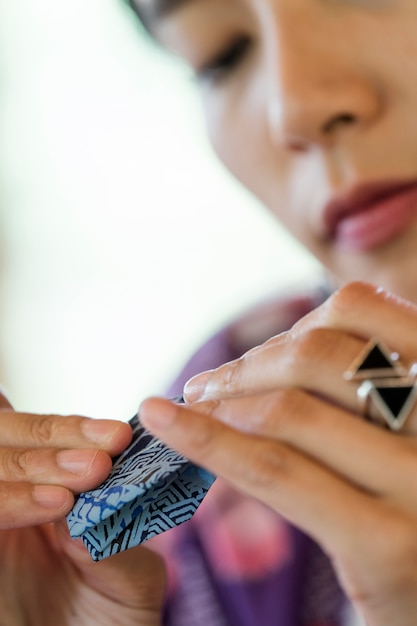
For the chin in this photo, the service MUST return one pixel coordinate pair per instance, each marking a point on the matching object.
(404, 285)
(400, 283)
(392, 267)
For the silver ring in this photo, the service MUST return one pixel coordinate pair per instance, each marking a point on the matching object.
(375, 361)
(388, 392)
(388, 401)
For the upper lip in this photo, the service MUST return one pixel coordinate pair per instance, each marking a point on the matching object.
(359, 199)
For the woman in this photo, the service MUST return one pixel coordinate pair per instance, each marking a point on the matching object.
(311, 105)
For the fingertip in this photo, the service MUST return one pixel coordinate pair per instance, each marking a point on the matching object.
(98, 471)
(121, 439)
(53, 497)
(113, 436)
(157, 414)
(195, 387)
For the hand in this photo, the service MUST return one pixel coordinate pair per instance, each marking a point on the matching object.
(45, 577)
(282, 424)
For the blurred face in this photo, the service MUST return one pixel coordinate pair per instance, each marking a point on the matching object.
(312, 105)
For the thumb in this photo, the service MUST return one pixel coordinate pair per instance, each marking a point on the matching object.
(135, 578)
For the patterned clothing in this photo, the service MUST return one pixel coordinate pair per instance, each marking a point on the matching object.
(237, 563)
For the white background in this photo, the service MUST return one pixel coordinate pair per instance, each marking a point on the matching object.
(123, 243)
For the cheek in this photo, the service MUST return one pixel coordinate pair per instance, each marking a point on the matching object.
(230, 132)
(240, 137)
(239, 133)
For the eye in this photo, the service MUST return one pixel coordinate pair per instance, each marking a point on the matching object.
(224, 63)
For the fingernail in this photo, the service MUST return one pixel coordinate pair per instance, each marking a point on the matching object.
(194, 389)
(100, 431)
(50, 496)
(157, 414)
(75, 461)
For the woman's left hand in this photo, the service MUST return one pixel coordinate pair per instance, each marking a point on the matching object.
(49, 579)
(287, 431)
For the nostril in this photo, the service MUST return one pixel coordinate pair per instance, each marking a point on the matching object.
(344, 119)
(296, 145)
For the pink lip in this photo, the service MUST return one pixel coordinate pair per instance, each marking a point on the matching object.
(371, 215)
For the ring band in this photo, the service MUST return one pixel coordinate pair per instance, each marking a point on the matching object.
(388, 392)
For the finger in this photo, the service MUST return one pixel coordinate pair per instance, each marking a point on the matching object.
(314, 361)
(306, 493)
(352, 526)
(354, 449)
(78, 470)
(359, 309)
(23, 505)
(23, 430)
(368, 311)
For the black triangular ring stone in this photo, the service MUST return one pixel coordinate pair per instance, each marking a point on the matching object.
(375, 360)
(395, 398)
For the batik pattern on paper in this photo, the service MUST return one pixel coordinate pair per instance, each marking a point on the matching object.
(150, 489)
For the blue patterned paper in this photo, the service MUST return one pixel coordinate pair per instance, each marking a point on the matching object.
(150, 489)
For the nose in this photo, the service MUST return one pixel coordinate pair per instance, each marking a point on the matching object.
(318, 88)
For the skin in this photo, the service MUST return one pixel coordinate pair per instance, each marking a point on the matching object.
(47, 578)
(321, 108)
(281, 424)
(325, 95)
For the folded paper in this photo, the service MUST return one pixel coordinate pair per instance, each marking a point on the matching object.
(150, 489)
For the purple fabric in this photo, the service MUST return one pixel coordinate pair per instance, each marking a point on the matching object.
(266, 573)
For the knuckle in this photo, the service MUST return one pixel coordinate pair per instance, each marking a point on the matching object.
(345, 299)
(265, 465)
(15, 464)
(359, 300)
(289, 412)
(43, 429)
(292, 402)
(312, 342)
(315, 346)
(232, 376)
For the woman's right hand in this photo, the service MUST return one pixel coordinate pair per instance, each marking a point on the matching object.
(46, 577)
(45, 459)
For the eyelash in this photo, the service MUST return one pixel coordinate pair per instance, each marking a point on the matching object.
(224, 63)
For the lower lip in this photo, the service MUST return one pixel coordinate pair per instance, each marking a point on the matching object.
(378, 223)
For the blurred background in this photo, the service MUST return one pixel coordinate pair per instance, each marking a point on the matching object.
(123, 243)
